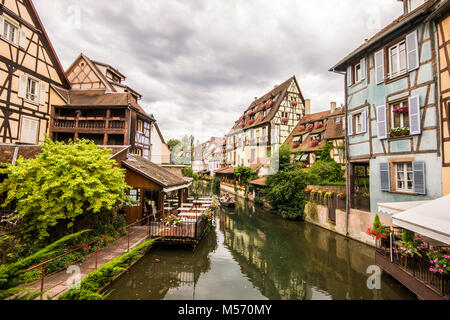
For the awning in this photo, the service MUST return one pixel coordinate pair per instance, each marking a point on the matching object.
(172, 189)
(431, 219)
(391, 208)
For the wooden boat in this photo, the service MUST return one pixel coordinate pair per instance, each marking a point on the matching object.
(229, 204)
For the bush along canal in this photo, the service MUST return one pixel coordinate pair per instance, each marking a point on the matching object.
(253, 254)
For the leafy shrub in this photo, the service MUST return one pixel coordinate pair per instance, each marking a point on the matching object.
(327, 171)
(99, 278)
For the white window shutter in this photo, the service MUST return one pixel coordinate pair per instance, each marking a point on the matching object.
(364, 121)
(22, 92)
(385, 179)
(412, 50)
(349, 76)
(22, 39)
(29, 130)
(379, 66)
(350, 125)
(42, 93)
(414, 115)
(381, 122)
(363, 68)
(419, 177)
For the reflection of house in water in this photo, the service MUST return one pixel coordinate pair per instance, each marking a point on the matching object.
(296, 262)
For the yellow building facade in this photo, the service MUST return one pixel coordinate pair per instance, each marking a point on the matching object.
(29, 72)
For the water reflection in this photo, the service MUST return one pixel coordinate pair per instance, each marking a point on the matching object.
(255, 255)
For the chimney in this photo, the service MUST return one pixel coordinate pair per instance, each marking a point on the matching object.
(307, 106)
(333, 107)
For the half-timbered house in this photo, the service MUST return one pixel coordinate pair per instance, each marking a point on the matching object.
(313, 132)
(265, 125)
(100, 107)
(30, 73)
(392, 115)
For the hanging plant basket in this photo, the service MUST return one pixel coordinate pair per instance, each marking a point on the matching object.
(250, 122)
(263, 106)
(251, 113)
(294, 103)
(285, 120)
(270, 103)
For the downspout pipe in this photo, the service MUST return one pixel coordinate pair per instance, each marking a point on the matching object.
(347, 165)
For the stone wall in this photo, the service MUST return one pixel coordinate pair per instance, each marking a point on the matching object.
(358, 221)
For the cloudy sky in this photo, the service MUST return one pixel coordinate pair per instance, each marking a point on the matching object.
(200, 63)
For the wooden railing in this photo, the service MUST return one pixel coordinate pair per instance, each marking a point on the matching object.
(417, 267)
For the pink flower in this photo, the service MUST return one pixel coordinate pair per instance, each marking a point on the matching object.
(441, 271)
(431, 269)
(431, 261)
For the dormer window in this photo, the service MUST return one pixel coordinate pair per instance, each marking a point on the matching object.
(413, 4)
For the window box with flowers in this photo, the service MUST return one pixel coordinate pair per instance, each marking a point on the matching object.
(171, 221)
(309, 127)
(318, 125)
(294, 103)
(270, 103)
(296, 144)
(399, 132)
(262, 107)
(250, 122)
(284, 120)
(313, 143)
(261, 117)
(301, 128)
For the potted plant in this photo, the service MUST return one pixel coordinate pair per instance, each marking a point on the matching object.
(341, 195)
(439, 261)
(284, 120)
(171, 221)
(378, 230)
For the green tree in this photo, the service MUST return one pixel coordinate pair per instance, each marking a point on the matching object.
(325, 153)
(327, 171)
(245, 175)
(65, 182)
(286, 192)
(281, 159)
(187, 172)
(172, 143)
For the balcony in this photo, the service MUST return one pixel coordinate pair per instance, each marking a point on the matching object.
(88, 124)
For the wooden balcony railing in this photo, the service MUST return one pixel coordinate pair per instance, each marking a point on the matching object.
(59, 123)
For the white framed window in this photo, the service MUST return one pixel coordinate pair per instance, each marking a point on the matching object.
(404, 177)
(414, 4)
(400, 118)
(135, 194)
(358, 123)
(29, 130)
(10, 32)
(397, 59)
(357, 72)
(32, 93)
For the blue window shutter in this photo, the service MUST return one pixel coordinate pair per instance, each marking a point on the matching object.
(412, 50)
(385, 181)
(419, 177)
(414, 115)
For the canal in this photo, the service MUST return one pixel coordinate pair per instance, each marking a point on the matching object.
(253, 254)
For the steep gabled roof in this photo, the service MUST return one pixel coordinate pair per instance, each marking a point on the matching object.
(46, 41)
(277, 94)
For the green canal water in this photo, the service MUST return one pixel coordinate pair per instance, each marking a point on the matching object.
(252, 255)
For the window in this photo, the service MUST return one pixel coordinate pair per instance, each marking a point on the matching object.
(252, 155)
(135, 194)
(404, 176)
(299, 116)
(297, 139)
(32, 90)
(140, 127)
(358, 123)
(29, 130)
(10, 32)
(399, 115)
(357, 72)
(414, 4)
(397, 59)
